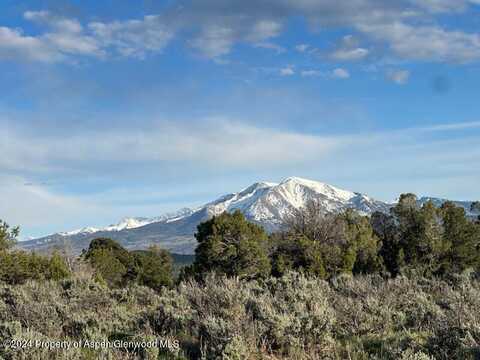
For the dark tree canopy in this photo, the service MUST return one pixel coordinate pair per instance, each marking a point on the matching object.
(231, 245)
(362, 244)
(424, 239)
(428, 239)
(386, 229)
(154, 267)
(462, 237)
(118, 267)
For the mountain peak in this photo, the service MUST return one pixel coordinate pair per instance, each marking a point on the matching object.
(318, 187)
(258, 185)
(297, 179)
(264, 203)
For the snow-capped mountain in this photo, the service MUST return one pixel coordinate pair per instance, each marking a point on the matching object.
(265, 203)
(131, 223)
(270, 203)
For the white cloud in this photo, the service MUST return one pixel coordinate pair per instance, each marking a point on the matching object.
(133, 37)
(452, 127)
(217, 37)
(302, 47)
(213, 35)
(442, 6)
(56, 22)
(210, 142)
(14, 45)
(73, 44)
(264, 29)
(67, 37)
(207, 143)
(340, 73)
(349, 50)
(35, 205)
(398, 24)
(428, 43)
(399, 77)
(349, 54)
(214, 41)
(287, 71)
(213, 29)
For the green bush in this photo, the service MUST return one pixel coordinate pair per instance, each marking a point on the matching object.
(16, 267)
(119, 267)
(154, 267)
(231, 245)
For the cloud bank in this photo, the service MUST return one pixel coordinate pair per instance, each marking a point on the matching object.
(406, 29)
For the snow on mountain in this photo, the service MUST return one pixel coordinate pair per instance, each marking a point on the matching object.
(131, 223)
(265, 203)
(85, 230)
(127, 223)
(270, 203)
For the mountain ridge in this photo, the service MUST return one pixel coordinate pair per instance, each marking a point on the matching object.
(265, 203)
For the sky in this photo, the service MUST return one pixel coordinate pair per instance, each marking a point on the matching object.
(135, 108)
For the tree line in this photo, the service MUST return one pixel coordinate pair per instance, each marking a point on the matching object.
(428, 240)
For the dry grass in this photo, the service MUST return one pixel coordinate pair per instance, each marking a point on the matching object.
(293, 317)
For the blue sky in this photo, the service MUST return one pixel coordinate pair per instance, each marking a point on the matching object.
(134, 108)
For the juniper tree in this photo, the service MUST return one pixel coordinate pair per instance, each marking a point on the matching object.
(361, 255)
(420, 234)
(112, 262)
(231, 245)
(463, 238)
(154, 267)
